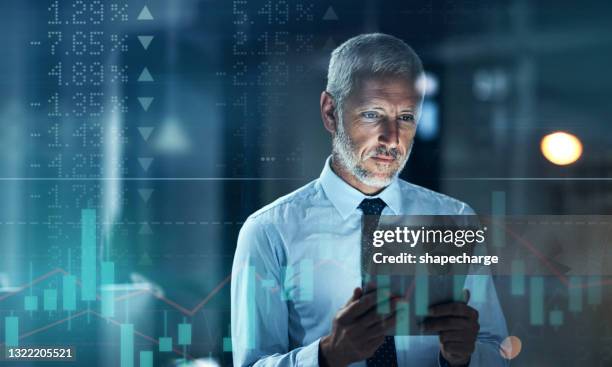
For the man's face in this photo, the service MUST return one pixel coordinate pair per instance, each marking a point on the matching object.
(377, 128)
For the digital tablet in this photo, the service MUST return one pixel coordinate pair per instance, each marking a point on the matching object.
(416, 293)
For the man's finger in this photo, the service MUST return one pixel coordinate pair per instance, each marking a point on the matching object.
(370, 318)
(377, 312)
(369, 287)
(390, 322)
(459, 348)
(344, 314)
(375, 340)
(384, 324)
(377, 329)
(369, 301)
(438, 324)
(457, 309)
(467, 295)
(357, 292)
(455, 336)
(355, 308)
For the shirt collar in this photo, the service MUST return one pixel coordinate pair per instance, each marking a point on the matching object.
(346, 198)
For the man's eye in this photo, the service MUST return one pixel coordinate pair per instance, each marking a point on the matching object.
(370, 115)
(409, 118)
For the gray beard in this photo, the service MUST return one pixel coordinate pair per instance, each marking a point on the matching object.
(343, 153)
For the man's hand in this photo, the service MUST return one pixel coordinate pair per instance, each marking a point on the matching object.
(357, 330)
(457, 325)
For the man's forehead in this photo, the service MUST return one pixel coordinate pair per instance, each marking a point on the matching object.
(386, 89)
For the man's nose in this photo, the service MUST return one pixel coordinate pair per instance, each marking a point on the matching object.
(389, 133)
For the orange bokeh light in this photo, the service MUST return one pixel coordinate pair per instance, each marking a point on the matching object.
(561, 148)
(510, 347)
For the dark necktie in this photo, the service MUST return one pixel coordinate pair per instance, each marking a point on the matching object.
(385, 355)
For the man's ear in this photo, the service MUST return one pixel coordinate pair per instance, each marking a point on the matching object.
(328, 112)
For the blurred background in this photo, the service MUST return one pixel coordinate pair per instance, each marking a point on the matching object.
(138, 135)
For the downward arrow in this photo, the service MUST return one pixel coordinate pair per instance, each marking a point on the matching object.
(145, 132)
(145, 102)
(145, 41)
(145, 163)
(145, 194)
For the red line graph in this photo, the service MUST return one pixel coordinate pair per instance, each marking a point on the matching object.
(33, 282)
(182, 309)
(112, 321)
(562, 278)
(58, 322)
(191, 312)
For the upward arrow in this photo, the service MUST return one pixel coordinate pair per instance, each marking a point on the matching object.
(145, 228)
(330, 14)
(145, 76)
(145, 14)
(329, 44)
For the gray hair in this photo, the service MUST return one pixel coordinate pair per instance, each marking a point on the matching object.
(369, 55)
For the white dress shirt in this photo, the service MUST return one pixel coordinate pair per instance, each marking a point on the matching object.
(298, 260)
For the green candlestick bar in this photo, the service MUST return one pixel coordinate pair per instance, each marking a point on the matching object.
(458, 286)
(184, 334)
(478, 291)
(88, 254)
(421, 294)
(50, 300)
(536, 296)
(498, 209)
(11, 331)
(575, 294)
(107, 270)
(306, 280)
(227, 344)
(402, 325)
(31, 303)
(555, 317)
(69, 292)
(287, 280)
(594, 290)
(517, 283)
(127, 345)
(383, 290)
(146, 358)
(251, 309)
(165, 344)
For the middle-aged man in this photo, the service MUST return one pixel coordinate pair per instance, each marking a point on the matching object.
(297, 296)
